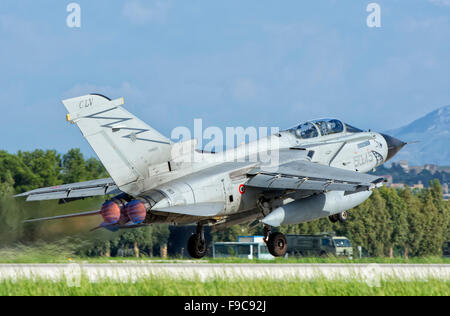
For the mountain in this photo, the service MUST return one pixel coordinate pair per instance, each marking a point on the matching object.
(433, 133)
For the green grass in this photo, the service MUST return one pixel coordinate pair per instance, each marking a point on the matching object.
(44, 253)
(219, 287)
(55, 253)
(43, 257)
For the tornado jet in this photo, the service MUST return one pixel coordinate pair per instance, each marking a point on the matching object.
(316, 169)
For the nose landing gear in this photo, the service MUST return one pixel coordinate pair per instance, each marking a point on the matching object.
(276, 242)
(341, 217)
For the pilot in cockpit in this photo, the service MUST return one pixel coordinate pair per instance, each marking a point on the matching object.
(322, 127)
(306, 130)
(329, 126)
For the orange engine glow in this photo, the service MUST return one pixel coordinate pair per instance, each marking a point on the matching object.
(110, 212)
(136, 211)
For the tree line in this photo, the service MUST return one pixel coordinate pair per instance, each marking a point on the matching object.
(392, 222)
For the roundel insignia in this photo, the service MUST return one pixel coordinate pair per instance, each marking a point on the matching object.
(242, 189)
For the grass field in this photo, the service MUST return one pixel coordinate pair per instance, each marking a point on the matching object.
(219, 287)
(55, 254)
(42, 258)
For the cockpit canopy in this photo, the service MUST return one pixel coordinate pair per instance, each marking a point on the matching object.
(322, 128)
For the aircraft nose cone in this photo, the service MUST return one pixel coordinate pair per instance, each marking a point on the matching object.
(394, 145)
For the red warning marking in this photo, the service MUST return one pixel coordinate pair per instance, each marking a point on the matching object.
(242, 189)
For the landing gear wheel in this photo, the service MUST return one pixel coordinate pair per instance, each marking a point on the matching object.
(333, 218)
(343, 217)
(197, 246)
(277, 244)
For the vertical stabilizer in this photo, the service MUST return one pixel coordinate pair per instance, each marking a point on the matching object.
(125, 145)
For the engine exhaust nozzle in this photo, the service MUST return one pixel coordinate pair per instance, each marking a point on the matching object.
(136, 211)
(110, 212)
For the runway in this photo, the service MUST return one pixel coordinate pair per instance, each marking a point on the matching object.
(125, 272)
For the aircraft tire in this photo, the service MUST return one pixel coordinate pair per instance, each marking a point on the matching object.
(333, 218)
(343, 216)
(197, 247)
(277, 244)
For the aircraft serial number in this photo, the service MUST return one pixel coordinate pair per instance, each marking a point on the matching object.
(363, 159)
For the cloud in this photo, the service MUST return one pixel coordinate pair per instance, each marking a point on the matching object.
(152, 11)
(443, 3)
(125, 90)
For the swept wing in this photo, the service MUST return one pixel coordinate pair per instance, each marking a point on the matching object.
(306, 175)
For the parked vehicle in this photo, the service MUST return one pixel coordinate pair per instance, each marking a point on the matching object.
(446, 249)
(248, 247)
(319, 245)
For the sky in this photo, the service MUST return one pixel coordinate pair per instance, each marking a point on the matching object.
(228, 62)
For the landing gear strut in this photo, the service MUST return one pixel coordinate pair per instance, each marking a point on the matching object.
(197, 246)
(276, 242)
(341, 217)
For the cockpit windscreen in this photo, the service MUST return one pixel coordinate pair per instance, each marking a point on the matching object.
(322, 128)
(305, 131)
(352, 129)
(329, 126)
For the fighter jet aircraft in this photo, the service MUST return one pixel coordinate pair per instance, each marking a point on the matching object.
(319, 171)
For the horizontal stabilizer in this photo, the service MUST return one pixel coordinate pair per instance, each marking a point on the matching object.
(199, 209)
(83, 214)
(73, 190)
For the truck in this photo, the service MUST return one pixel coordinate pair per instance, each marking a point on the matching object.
(323, 245)
(446, 249)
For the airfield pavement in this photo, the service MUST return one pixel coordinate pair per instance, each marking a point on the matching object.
(203, 271)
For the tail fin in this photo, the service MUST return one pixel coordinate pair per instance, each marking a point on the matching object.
(124, 144)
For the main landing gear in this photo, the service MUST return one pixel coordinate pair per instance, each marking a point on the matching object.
(197, 246)
(276, 242)
(341, 217)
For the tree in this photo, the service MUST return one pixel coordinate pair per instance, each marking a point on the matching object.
(10, 214)
(369, 226)
(74, 166)
(46, 166)
(141, 240)
(23, 177)
(436, 220)
(231, 233)
(415, 220)
(95, 169)
(396, 208)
